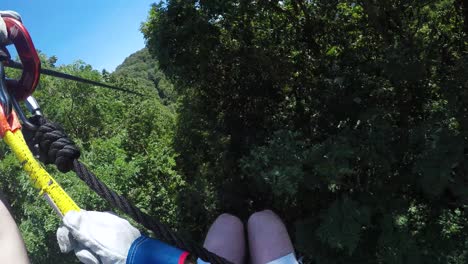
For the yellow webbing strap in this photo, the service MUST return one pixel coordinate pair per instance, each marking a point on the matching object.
(38, 175)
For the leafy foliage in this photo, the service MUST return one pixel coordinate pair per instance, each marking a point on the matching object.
(142, 67)
(354, 111)
(342, 224)
(348, 118)
(126, 140)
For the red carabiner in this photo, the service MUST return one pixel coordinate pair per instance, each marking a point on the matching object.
(27, 53)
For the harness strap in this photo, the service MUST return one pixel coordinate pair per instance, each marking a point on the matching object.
(42, 180)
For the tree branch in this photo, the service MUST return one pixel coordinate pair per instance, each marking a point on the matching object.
(463, 6)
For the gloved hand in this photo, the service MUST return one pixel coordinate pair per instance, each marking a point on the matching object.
(96, 237)
(3, 30)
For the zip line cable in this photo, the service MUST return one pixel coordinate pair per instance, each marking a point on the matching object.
(16, 65)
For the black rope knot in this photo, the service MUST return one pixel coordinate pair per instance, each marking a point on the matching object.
(52, 144)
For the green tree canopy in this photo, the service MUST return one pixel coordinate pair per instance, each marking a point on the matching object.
(348, 118)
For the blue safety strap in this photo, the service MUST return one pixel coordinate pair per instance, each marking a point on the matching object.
(151, 251)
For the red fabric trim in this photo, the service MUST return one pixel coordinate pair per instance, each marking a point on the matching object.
(11, 124)
(183, 257)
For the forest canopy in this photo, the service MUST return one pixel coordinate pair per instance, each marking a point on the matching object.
(349, 119)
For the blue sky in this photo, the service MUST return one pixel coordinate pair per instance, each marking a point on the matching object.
(100, 32)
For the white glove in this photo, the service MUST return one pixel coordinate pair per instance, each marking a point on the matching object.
(3, 30)
(96, 237)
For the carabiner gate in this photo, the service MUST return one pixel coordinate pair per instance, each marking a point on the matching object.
(5, 99)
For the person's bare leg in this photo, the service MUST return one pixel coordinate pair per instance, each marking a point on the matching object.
(12, 249)
(268, 238)
(226, 238)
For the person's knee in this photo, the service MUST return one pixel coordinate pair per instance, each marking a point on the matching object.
(268, 237)
(226, 225)
(226, 238)
(229, 220)
(265, 216)
(261, 224)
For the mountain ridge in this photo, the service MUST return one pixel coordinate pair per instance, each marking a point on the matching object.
(143, 68)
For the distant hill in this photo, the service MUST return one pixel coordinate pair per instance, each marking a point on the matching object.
(144, 69)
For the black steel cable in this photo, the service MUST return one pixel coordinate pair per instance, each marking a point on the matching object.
(160, 230)
(16, 65)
